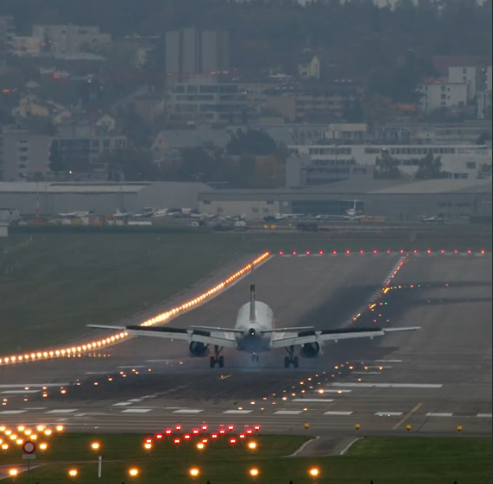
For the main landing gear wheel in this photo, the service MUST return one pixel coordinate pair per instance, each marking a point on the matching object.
(217, 360)
(291, 361)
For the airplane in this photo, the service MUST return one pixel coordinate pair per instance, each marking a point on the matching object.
(352, 214)
(436, 219)
(120, 214)
(254, 333)
(76, 214)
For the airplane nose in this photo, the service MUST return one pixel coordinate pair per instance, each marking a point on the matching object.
(252, 332)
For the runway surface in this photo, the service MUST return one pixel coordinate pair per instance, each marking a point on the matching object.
(434, 379)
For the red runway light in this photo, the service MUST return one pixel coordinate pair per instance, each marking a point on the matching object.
(179, 428)
(335, 252)
(469, 251)
(415, 251)
(168, 431)
(232, 441)
(442, 251)
(148, 441)
(307, 252)
(205, 441)
(257, 428)
(187, 436)
(375, 251)
(483, 252)
(242, 436)
(222, 431)
(214, 436)
(177, 441)
(402, 251)
(249, 431)
(361, 251)
(281, 253)
(205, 428)
(428, 251)
(159, 436)
(231, 428)
(348, 251)
(195, 431)
(294, 252)
(321, 252)
(456, 251)
(389, 252)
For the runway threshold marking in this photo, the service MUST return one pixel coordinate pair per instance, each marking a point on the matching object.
(412, 412)
(313, 400)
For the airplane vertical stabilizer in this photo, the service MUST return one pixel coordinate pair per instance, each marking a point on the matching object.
(252, 303)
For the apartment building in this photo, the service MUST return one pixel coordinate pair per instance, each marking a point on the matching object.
(69, 38)
(441, 94)
(208, 101)
(24, 156)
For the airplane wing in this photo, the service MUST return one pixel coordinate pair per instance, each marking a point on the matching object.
(294, 338)
(217, 336)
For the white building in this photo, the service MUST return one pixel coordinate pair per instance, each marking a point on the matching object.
(70, 38)
(208, 101)
(478, 79)
(440, 94)
(461, 161)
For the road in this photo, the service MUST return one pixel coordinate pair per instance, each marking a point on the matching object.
(434, 379)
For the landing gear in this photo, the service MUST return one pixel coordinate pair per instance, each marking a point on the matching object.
(255, 358)
(217, 360)
(291, 360)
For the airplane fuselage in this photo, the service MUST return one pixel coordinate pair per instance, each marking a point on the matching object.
(253, 338)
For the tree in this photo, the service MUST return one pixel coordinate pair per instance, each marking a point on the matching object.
(130, 165)
(430, 168)
(378, 110)
(253, 142)
(387, 167)
(134, 127)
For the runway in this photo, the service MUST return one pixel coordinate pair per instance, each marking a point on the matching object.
(434, 379)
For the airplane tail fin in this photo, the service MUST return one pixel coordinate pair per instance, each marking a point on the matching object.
(252, 303)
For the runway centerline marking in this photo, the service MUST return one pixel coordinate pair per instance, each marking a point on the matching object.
(137, 410)
(288, 412)
(237, 412)
(389, 385)
(412, 412)
(439, 414)
(63, 411)
(484, 415)
(17, 392)
(335, 413)
(313, 400)
(188, 411)
(12, 412)
(388, 414)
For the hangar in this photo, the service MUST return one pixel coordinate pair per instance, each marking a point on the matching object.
(399, 201)
(52, 198)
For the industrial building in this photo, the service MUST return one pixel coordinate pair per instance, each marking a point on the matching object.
(50, 199)
(398, 201)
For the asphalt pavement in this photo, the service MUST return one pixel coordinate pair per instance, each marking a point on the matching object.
(434, 380)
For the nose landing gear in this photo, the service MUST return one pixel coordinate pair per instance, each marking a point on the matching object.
(255, 358)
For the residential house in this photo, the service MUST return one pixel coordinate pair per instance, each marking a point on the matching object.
(309, 65)
(106, 124)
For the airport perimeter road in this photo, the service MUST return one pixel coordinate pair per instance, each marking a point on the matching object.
(434, 379)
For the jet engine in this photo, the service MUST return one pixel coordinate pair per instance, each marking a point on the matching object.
(310, 350)
(198, 350)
